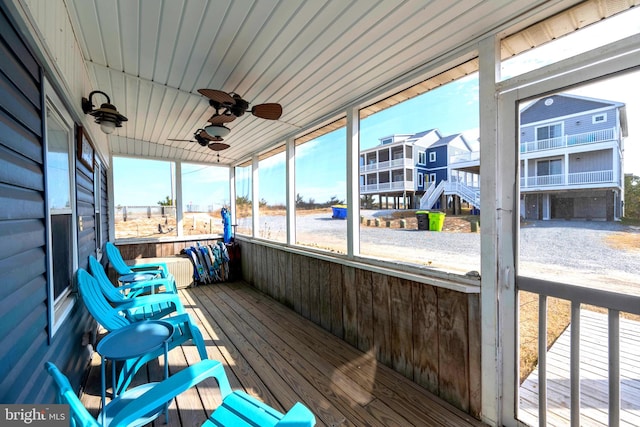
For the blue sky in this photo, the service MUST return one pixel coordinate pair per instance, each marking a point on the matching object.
(452, 108)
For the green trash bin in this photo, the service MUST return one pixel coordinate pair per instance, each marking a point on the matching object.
(436, 221)
(423, 220)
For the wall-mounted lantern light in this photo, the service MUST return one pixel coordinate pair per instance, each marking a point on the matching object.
(107, 115)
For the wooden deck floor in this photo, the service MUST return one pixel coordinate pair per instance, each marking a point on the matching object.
(280, 357)
(594, 383)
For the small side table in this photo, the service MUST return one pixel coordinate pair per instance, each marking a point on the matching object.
(131, 342)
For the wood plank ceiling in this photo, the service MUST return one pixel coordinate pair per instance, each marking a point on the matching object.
(313, 57)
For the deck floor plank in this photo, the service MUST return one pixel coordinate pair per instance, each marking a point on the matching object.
(276, 355)
(594, 371)
(406, 397)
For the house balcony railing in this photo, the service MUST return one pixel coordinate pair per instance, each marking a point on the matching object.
(568, 141)
(472, 156)
(389, 164)
(387, 186)
(579, 178)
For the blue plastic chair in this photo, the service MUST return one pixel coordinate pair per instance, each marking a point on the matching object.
(112, 318)
(142, 404)
(137, 272)
(135, 305)
(144, 284)
(152, 285)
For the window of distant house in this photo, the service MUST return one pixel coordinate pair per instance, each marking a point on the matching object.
(432, 156)
(549, 167)
(432, 177)
(420, 179)
(599, 118)
(548, 132)
(387, 141)
(422, 158)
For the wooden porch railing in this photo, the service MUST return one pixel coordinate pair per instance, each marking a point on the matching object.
(614, 303)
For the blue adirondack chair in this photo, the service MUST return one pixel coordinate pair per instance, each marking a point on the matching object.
(152, 285)
(140, 307)
(137, 272)
(142, 404)
(112, 318)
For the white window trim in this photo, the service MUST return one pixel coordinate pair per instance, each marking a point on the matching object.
(432, 156)
(594, 118)
(548, 125)
(420, 179)
(59, 310)
(422, 158)
(97, 198)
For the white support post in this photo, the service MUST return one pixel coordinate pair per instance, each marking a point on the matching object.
(291, 191)
(232, 195)
(178, 194)
(489, 158)
(255, 194)
(353, 182)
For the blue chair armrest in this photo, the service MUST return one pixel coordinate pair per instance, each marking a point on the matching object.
(148, 300)
(298, 416)
(144, 286)
(166, 390)
(146, 267)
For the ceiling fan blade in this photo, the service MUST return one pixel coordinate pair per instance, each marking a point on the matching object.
(182, 140)
(218, 146)
(269, 111)
(218, 119)
(218, 96)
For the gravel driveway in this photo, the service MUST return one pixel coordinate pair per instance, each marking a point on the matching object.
(551, 248)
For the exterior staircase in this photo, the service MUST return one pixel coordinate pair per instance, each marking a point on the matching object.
(433, 193)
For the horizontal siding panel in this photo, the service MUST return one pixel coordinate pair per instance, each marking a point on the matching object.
(19, 171)
(18, 106)
(11, 39)
(30, 296)
(23, 235)
(21, 269)
(15, 72)
(28, 339)
(20, 140)
(20, 203)
(66, 352)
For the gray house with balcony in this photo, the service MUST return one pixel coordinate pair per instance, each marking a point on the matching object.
(571, 157)
(396, 169)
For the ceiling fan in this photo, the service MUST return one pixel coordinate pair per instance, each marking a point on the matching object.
(228, 106)
(204, 139)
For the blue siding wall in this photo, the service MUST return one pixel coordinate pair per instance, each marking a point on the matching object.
(439, 167)
(575, 125)
(24, 341)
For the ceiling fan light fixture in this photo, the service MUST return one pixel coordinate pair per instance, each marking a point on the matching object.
(217, 131)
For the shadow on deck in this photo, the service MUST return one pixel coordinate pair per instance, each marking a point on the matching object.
(276, 355)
